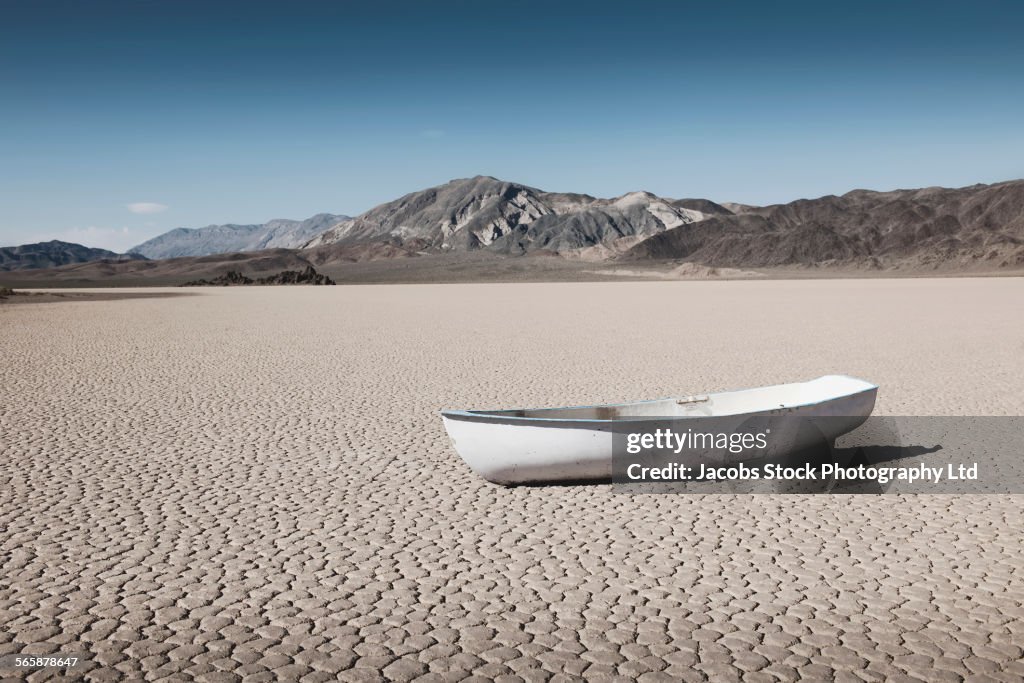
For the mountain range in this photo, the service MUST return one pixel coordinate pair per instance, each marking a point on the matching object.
(931, 227)
(54, 253)
(981, 226)
(223, 239)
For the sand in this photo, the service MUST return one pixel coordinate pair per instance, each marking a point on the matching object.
(255, 483)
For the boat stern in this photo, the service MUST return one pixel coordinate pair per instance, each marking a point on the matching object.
(508, 450)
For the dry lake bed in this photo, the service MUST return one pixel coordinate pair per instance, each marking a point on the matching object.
(254, 483)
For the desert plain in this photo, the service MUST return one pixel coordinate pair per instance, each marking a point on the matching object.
(254, 484)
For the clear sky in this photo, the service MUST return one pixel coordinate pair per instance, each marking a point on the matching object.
(119, 121)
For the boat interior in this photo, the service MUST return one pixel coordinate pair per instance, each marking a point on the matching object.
(757, 400)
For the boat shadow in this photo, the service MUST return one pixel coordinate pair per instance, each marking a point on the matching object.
(565, 483)
(876, 455)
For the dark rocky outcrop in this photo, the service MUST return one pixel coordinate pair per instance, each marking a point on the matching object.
(230, 278)
(309, 276)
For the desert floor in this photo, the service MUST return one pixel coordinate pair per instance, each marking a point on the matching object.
(255, 483)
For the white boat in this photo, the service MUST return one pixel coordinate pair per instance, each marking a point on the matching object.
(576, 443)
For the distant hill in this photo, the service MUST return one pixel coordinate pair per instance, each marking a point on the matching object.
(509, 218)
(222, 239)
(175, 271)
(54, 253)
(931, 227)
(980, 225)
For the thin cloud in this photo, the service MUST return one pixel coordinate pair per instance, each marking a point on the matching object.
(147, 207)
(432, 133)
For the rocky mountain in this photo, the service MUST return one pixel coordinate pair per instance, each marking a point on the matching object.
(980, 224)
(509, 218)
(930, 227)
(738, 208)
(54, 253)
(222, 239)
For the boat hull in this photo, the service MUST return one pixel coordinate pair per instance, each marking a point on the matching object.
(513, 447)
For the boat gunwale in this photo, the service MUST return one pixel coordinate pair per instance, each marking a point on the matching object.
(484, 416)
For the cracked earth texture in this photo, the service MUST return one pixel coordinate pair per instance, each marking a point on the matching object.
(254, 484)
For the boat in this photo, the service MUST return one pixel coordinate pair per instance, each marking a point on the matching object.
(576, 444)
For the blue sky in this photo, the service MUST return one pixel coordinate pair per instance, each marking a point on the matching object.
(242, 112)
